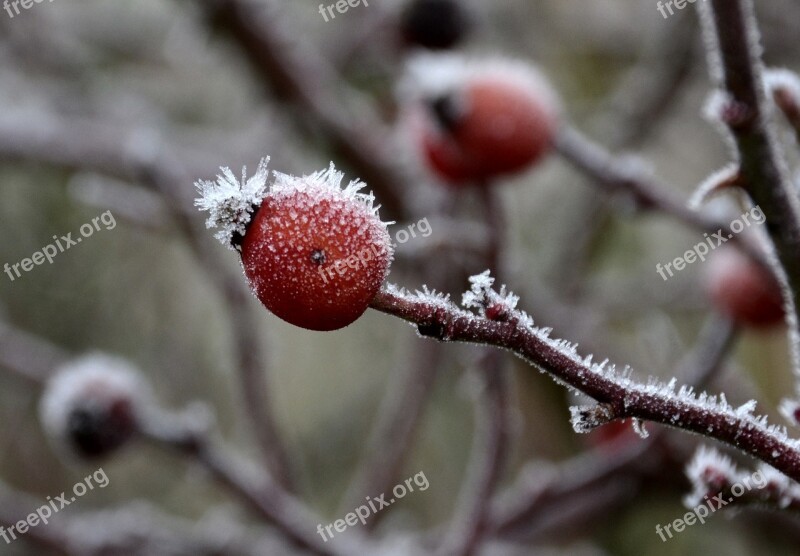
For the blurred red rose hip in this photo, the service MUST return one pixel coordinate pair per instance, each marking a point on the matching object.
(483, 120)
(743, 290)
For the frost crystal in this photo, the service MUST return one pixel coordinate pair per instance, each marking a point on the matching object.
(709, 472)
(790, 409)
(323, 181)
(489, 303)
(783, 80)
(433, 75)
(230, 202)
(778, 486)
(713, 184)
(682, 400)
(639, 428)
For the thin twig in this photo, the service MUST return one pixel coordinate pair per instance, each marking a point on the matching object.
(28, 355)
(530, 510)
(619, 175)
(140, 155)
(302, 76)
(393, 433)
(257, 490)
(487, 462)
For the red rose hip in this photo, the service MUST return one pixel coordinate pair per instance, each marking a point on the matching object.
(743, 290)
(482, 120)
(315, 254)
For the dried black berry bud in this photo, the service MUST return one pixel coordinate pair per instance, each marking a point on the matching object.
(435, 24)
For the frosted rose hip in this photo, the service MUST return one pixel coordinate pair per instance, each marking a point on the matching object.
(315, 253)
(479, 120)
(743, 290)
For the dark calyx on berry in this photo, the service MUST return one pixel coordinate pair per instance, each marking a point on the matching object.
(95, 432)
(318, 257)
(435, 24)
(449, 110)
(236, 237)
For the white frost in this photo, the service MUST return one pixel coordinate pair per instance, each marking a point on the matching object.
(708, 471)
(784, 80)
(712, 185)
(682, 401)
(230, 202)
(433, 75)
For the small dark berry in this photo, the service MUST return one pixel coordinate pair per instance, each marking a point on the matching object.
(435, 24)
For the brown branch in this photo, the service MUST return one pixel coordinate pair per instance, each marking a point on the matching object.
(763, 167)
(487, 462)
(257, 490)
(444, 321)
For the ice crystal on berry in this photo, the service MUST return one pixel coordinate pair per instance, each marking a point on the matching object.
(231, 202)
(710, 472)
(431, 75)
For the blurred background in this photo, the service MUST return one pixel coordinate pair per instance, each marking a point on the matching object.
(122, 106)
